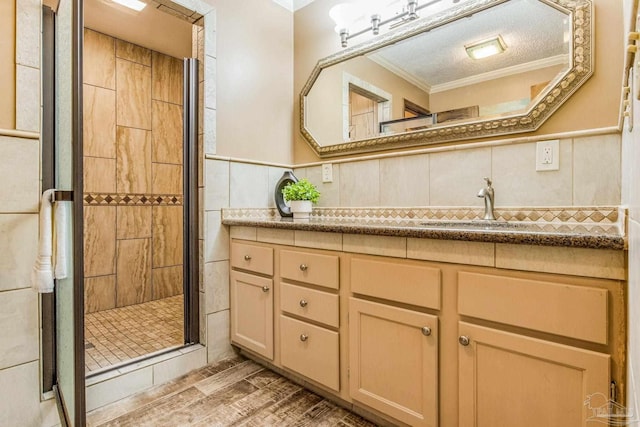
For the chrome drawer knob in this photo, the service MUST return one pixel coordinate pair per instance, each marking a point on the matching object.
(464, 340)
(247, 257)
(303, 267)
(303, 303)
(304, 337)
(265, 289)
(426, 331)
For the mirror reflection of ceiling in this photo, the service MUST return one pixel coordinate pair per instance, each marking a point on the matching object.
(535, 34)
(156, 27)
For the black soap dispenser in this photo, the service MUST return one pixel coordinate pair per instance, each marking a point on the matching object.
(287, 178)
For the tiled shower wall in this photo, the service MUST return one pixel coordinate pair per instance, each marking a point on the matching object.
(132, 173)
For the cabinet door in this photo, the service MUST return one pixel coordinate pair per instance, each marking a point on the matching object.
(507, 379)
(252, 312)
(393, 361)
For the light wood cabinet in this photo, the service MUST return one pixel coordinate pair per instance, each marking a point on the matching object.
(509, 379)
(388, 335)
(393, 361)
(251, 298)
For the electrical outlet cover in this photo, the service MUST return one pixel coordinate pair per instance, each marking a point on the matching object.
(548, 155)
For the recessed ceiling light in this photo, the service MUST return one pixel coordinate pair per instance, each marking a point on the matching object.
(485, 48)
(131, 4)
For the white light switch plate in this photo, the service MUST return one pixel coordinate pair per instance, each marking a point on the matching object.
(327, 172)
(548, 155)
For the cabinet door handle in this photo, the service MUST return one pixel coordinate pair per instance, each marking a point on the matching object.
(247, 257)
(464, 340)
(303, 267)
(304, 337)
(265, 289)
(303, 303)
(426, 331)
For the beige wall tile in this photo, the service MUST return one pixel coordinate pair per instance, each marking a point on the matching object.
(404, 181)
(18, 246)
(167, 133)
(99, 175)
(167, 78)
(133, 222)
(471, 253)
(455, 177)
(217, 185)
(177, 366)
(99, 293)
(167, 236)
(133, 95)
(216, 238)
(108, 391)
(210, 65)
(166, 179)
(249, 186)
(99, 240)
(271, 235)
(19, 175)
(244, 233)
(216, 285)
(19, 339)
(320, 240)
(132, 52)
(99, 60)
(329, 191)
(99, 122)
(27, 98)
(133, 284)
(28, 17)
(20, 395)
(210, 131)
(218, 339)
(375, 245)
(597, 170)
(517, 183)
(604, 263)
(133, 173)
(360, 183)
(167, 282)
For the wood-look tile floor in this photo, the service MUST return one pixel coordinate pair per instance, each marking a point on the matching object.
(234, 392)
(125, 333)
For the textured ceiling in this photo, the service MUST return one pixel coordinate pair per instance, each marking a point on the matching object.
(531, 29)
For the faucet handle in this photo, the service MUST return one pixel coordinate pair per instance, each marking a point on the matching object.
(488, 181)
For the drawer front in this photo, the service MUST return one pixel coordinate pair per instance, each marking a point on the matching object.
(396, 281)
(315, 269)
(254, 258)
(557, 308)
(311, 351)
(311, 304)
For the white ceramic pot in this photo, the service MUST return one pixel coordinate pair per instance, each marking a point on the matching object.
(300, 208)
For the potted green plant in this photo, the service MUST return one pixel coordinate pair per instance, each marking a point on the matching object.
(300, 196)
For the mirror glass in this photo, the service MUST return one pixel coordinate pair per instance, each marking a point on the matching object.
(419, 84)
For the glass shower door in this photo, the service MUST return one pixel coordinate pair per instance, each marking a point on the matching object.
(68, 178)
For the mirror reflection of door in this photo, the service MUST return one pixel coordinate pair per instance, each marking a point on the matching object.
(363, 113)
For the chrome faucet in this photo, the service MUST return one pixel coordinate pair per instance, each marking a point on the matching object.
(487, 193)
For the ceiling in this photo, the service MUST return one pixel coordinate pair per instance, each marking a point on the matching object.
(533, 32)
(157, 27)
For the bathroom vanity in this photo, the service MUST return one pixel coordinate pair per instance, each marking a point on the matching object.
(433, 322)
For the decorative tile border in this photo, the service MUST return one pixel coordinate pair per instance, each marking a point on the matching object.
(110, 199)
(539, 215)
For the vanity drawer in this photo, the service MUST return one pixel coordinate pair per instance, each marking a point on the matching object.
(258, 259)
(312, 268)
(407, 283)
(311, 351)
(311, 304)
(557, 308)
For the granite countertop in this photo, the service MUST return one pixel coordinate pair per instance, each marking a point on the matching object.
(595, 235)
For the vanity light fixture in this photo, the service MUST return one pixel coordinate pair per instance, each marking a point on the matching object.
(485, 48)
(131, 4)
(376, 12)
